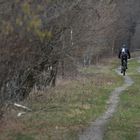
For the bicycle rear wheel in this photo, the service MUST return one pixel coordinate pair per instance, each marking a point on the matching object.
(124, 68)
(124, 72)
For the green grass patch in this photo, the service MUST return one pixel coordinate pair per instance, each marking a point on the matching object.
(125, 124)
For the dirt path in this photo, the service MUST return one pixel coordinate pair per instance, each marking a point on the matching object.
(97, 128)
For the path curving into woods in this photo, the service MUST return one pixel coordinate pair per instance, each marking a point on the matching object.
(96, 130)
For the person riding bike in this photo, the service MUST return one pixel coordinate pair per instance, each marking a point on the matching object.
(124, 54)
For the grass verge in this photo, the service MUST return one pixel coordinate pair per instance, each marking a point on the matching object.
(61, 112)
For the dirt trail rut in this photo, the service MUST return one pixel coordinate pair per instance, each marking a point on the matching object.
(97, 128)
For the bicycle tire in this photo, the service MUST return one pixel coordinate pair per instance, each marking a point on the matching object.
(124, 72)
(124, 67)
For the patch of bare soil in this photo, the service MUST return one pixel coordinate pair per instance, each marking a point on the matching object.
(97, 129)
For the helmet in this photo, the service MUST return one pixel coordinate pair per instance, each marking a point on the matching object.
(124, 45)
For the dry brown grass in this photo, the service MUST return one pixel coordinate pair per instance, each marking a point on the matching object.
(64, 109)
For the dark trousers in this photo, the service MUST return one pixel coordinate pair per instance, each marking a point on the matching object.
(122, 61)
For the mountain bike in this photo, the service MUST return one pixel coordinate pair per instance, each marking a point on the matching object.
(124, 67)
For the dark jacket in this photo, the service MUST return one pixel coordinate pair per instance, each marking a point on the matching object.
(126, 52)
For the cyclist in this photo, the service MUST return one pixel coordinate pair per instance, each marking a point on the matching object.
(124, 54)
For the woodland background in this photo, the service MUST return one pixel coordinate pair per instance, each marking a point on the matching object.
(42, 40)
